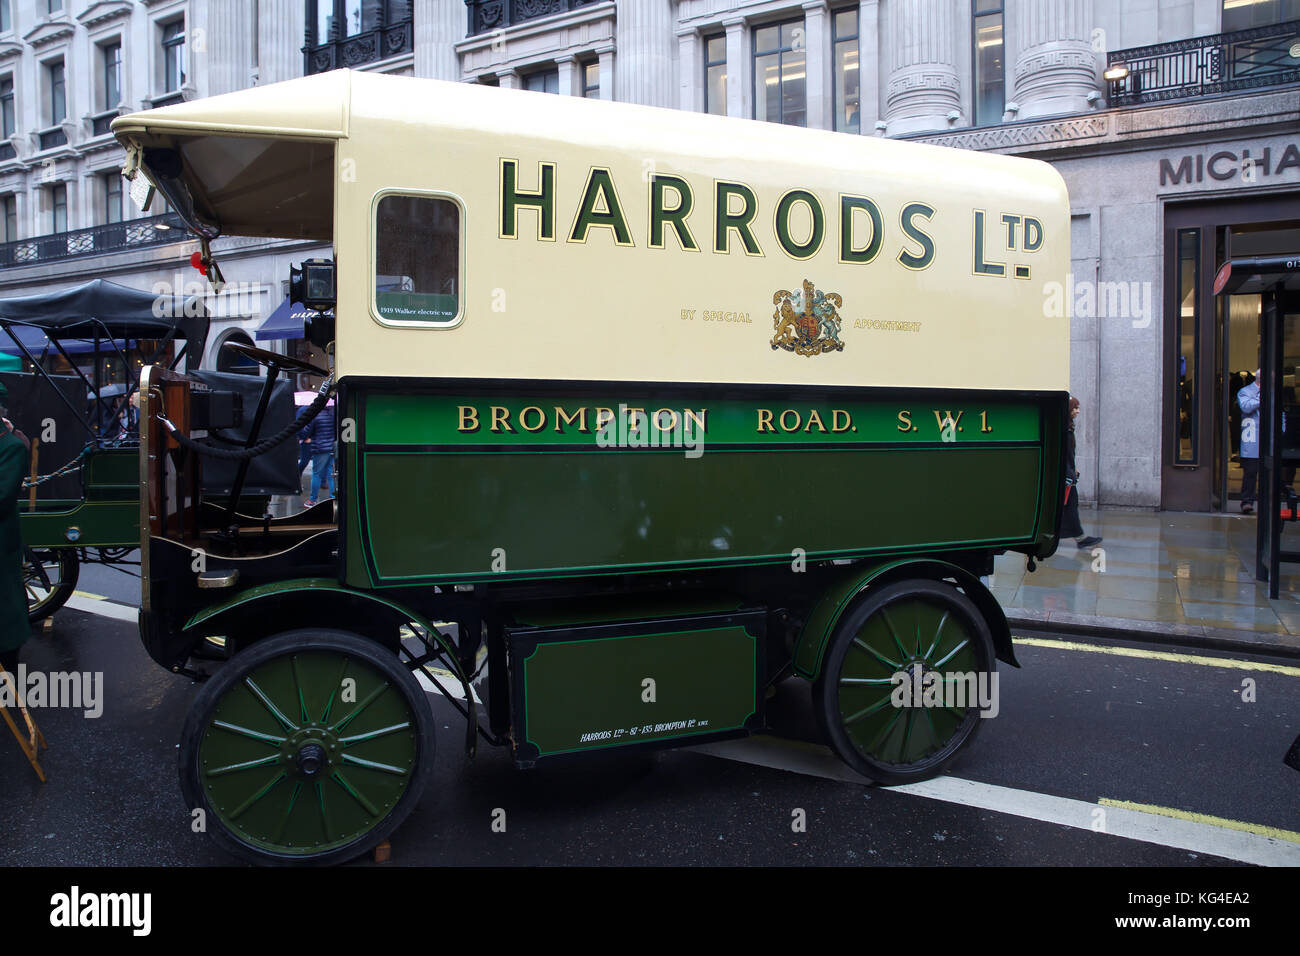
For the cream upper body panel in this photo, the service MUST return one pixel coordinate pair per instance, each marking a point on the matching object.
(956, 295)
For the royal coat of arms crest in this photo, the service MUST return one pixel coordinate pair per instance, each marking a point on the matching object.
(807, 321)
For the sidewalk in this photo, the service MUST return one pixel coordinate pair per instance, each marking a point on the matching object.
(1184, 578)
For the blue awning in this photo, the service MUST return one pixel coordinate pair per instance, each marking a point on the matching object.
(35, 341)
(286, 322)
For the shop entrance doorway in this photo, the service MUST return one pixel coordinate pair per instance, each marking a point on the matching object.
(1211, 343)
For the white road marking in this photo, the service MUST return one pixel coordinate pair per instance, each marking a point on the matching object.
(1167, 831)
(119, 612)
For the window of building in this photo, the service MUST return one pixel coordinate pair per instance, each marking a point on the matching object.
(417, 259)
(173, 60)
(355, 17)
(58, 196)
(9, 219)
(780, 88)
(336, 32)
(6, 16)
(715, 75)
(990, 82)
(545, 81)
(1187, 344)
(7, 113)
(591, 79)
(324, 21)
(848, 113)
(53, 6)
(113, 197)
(1244, 14)
(112, 78)
(58, 92)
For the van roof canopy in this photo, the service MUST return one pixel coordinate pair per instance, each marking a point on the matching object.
(257, 162)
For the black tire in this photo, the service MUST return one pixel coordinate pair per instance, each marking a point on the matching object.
(57, 567)
(251, 717)
(855, 711)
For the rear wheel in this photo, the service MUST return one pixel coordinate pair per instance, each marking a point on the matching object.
(935, 637)
(308, 748)
(49, 578)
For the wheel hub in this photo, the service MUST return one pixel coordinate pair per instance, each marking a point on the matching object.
(310, 752)
(311, 759)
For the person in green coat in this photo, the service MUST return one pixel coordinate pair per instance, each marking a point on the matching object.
(14, 626)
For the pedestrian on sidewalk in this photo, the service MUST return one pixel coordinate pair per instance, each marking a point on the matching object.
(1071, 527)
(322, 451)
(1248, 399)
(14, 452)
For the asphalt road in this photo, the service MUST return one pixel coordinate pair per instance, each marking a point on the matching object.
(1095, 759)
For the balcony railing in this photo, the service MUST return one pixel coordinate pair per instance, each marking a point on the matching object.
(1203, 66)
(97, 240)
(393, 36)
(488, 15)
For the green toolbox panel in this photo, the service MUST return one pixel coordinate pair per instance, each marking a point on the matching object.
(650, 683)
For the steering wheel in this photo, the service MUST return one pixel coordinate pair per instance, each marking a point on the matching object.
(274, 359)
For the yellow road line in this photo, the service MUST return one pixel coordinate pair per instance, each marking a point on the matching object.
(88, 594)
(1290, 836)
(1204, 661)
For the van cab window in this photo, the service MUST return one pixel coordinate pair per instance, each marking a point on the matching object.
(417, 259)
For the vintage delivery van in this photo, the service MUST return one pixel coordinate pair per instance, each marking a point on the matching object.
(640, 412)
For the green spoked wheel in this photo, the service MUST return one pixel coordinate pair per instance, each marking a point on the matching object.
(935, 637)
(309, 747)
(49, 578)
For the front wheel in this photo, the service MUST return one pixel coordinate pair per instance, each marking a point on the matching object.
(308, 748)
(928, 636)
(49, 578)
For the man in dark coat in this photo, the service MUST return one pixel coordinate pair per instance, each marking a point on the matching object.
(14, 626)
(1070, 524)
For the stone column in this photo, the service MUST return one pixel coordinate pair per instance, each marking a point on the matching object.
(280, 38)
(567, 67)
(817, 64)
(737, 59)
(923, 88)
(439, 26)
(869, 63)
(690, 71)
(647, 48)
(1056, 67)
(606, 55)
(219, 55)
(508, 79)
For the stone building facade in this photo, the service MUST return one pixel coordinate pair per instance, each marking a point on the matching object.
(1176, 124)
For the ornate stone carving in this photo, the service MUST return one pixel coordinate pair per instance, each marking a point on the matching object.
(1025, 135)
(528, 9)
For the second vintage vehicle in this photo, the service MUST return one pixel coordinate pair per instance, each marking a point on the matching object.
(84, 505)
(640, 411)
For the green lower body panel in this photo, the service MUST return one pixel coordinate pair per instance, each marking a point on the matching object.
(651, 683)
(508, 514)
(61, 524)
